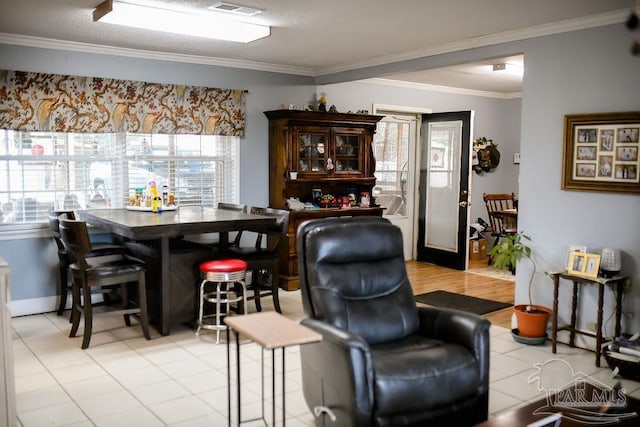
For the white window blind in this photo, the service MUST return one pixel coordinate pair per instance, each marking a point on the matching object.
(44, 170)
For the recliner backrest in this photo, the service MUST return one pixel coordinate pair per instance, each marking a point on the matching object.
(353, 276)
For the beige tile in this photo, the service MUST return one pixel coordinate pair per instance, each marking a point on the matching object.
(132, 379)
(213, 419)
(34, 381)
(182, 409)
(32, 326)
(93, 387)
(26, 363)
(499, 401)
(41, 398)
(63, 359)
(167, 354)
(502, 366)
(517, 386)
(217, 399)
(108, 351)
(58, 415)
(303, 421)
(137, 417)
(127, 362)
(160, 392)
(204, 381)
(504, 344)
(98, 338)
(72, 374)
(53, 342)
(185, 368)
(105, 405)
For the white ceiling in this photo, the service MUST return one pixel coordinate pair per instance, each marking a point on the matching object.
(316, 38)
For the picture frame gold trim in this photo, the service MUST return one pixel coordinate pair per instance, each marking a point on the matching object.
(600, 152)
(584, 264)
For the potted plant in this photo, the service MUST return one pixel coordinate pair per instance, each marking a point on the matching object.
(532, 319)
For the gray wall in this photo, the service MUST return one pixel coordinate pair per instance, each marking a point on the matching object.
(497, 119)
(580, 72)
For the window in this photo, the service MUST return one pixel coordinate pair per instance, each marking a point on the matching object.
(391, 151)
(44, 170)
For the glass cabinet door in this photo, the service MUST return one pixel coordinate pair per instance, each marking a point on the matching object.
(348, 152)
(312, 151)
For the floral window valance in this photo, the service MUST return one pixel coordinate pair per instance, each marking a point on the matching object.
(51, 102)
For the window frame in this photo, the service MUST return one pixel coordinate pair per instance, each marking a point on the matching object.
(226, 159)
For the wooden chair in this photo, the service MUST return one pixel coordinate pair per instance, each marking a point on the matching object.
(497, 204)
(262, 259)
(64, 258)
(213, 239)
(113, 274)
(237, 208)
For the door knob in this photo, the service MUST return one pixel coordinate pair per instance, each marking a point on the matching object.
(463, 204)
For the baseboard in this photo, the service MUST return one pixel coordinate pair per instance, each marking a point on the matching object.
(26, 307)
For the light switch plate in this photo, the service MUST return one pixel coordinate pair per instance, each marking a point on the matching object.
(516, 158)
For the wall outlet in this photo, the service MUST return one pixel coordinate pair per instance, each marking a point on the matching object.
(591, 326)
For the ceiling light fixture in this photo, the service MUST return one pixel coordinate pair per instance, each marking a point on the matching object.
(508, 68)
(172, 21)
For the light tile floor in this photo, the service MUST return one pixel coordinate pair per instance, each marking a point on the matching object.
(180, 379)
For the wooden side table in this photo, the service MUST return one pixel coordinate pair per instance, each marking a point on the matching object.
(271, 331)
(616, 283)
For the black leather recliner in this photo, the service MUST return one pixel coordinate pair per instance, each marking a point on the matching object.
(383, 360)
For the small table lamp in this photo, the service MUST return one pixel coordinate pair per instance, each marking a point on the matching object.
(610, 263)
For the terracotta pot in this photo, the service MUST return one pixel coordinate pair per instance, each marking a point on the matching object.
(532, 324)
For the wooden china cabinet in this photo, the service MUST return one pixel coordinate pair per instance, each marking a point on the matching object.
(332, 154)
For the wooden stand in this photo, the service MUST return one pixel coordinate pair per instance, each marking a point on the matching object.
(271, 331)
(616, 282)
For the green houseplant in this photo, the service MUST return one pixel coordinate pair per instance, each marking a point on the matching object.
(511, 249)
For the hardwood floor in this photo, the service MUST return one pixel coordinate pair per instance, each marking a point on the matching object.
(428, 277)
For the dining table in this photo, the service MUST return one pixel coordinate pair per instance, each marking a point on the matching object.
(164, 226)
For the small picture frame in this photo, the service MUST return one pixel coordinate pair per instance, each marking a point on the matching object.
(572, 249)
(584, 264)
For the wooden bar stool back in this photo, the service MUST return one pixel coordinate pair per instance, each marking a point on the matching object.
(87, 274)
(263, 257)
(64, 258)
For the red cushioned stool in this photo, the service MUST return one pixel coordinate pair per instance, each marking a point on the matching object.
(228, 277)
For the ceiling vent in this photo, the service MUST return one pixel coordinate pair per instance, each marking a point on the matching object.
(234, 8)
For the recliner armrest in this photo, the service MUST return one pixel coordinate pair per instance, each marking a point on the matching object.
(338, 344)
(466, 329)
(339, 336)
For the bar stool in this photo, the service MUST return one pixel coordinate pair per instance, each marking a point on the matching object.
(222, 273)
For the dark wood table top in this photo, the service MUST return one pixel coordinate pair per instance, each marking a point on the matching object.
(185, 220)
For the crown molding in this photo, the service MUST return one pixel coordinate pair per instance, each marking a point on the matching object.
(445, 89)
(44, 43)
(569, 25)
(608, 18)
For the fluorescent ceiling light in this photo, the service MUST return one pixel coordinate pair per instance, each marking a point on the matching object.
(171, 21)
